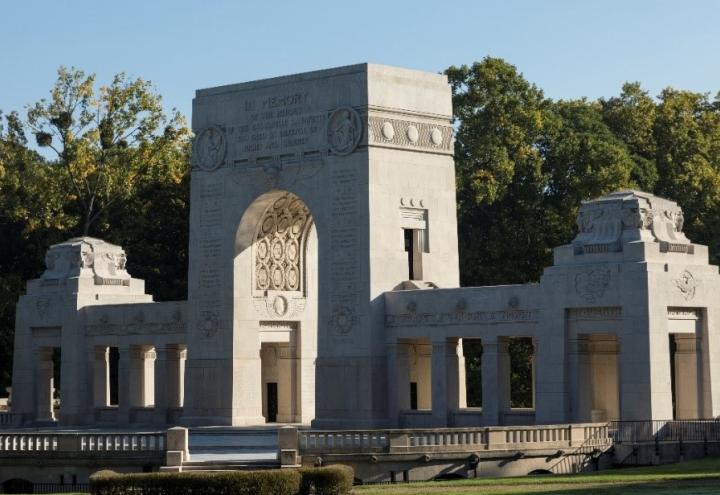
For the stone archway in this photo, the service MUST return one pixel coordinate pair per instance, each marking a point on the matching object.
(276, 252)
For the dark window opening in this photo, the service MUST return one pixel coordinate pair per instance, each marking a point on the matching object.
(413, 396)
(114, 362)
(414, 247)
(472, 351)
(272, 402)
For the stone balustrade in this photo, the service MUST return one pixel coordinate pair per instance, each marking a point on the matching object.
(451, 439)
(109, 444)
(6, 419)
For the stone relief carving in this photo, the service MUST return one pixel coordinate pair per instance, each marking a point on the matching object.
(344, 130)
(606, 313)
(280, 245)
(606, 223)
(403, 133)
(462, 317)
(209, 148)
(592, 284)
(279, 306)
(683, 314)
(86, 257)
(687, 285)
(209, 323)
(42, 305)
(342, 319)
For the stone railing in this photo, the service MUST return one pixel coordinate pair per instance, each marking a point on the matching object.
(7, 419)
(82, 443)
(431, 440)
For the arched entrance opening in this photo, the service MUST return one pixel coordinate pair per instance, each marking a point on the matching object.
(275, 293)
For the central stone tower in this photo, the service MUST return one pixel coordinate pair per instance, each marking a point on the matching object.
(312, 195)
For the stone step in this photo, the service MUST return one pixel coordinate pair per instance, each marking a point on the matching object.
(229, 466)
(234, 445)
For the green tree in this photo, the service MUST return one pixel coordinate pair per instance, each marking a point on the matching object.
(106, 140)
(687, 132)
(631, 117)
(523, 165)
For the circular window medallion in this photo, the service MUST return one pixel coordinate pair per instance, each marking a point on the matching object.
(209, 149)
(344, 131)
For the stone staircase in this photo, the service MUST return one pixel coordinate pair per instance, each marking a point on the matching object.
(232, 449)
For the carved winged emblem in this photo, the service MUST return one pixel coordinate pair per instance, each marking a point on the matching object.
(687, 284)
(591, 285)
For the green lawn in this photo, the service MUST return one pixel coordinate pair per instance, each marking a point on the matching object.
(694, 477)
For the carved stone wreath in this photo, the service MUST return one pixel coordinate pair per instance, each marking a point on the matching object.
(209, 148)
(279, 245)
(344, 131)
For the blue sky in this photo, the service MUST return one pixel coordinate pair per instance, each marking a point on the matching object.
(568, 48)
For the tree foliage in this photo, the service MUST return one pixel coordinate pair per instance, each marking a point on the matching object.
(107, 140)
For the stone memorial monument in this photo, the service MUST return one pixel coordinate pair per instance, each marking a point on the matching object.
(324, 286)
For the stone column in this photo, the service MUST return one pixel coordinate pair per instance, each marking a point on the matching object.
(687, 390)
(141, 368)
(136, 372)
(489, 370)
(580, 386)
(161, 382)
(148, 397)
(101, 377)
(439, 372)
(286, 383)
(504, 371)
(123, 385)
(175, 387)
(44, 385)
(462, 380)
(398, 379)
(452, 385)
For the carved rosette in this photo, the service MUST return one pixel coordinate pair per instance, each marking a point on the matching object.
(280, 245)
(209, 148)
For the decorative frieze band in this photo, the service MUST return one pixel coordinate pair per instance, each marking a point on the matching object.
(406, 134)
(605, 313)
(462, 318)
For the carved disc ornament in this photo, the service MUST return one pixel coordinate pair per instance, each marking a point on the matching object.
(209, 149)
(344, 131)
(280, 244)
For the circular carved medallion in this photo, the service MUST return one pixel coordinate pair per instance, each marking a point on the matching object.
(388, 131)
(342, 319)
(436, 136)
(209, 323)
(413, 134)
(344, 131)
(292, 278)
(209, 149)
(280, 305)
(263, 277)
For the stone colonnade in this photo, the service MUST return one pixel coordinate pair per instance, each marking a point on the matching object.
(429, 378)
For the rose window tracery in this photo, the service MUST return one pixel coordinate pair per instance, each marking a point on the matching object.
(279, 245)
